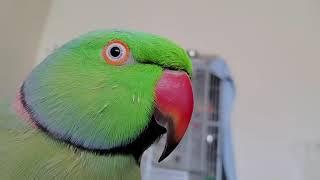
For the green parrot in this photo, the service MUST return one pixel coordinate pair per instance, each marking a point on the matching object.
(94, 105)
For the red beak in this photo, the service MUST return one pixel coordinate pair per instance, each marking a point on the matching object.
(174, 103)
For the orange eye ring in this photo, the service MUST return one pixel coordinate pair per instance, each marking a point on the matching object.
(116, 53)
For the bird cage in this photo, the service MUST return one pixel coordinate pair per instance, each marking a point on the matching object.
(202, 153)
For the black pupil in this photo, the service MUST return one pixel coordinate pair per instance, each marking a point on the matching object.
(115, 51)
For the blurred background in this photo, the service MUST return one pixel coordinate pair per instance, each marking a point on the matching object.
(271, 46)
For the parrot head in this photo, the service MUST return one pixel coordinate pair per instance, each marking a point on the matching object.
(112, 92)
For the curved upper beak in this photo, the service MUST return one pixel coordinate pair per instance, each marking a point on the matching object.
(174, 107)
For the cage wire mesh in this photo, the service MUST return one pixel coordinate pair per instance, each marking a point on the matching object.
(199, 155)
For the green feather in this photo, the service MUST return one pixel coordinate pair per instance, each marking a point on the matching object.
(77, 97)
(27, 154)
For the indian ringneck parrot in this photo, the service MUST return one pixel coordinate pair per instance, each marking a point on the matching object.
(94, 105)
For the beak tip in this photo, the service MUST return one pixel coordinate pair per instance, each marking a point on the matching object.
(167, 151)
(160, 159)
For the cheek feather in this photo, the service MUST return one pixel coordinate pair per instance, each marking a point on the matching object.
(21, 111)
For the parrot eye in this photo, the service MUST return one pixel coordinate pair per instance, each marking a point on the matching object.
(116, 52)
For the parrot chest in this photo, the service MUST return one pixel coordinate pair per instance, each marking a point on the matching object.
(30, 155)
